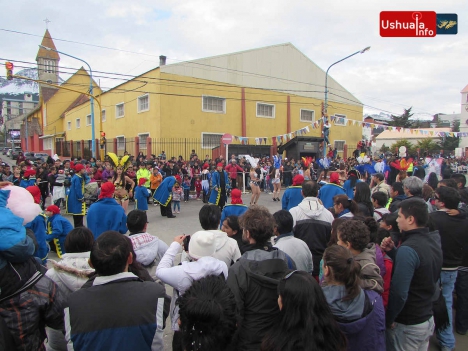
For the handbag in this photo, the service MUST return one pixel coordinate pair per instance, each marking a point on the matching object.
(439, 310)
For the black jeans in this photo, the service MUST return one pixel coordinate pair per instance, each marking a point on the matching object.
(233, 183)
(166, 211)
(461, 287)
(78, 221)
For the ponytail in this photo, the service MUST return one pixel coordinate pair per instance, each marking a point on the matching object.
(352, 282)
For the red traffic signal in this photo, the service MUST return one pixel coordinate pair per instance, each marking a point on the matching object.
(9, 70)
(103, 134)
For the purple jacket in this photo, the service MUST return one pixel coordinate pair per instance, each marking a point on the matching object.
(379, 260)
(368, 332)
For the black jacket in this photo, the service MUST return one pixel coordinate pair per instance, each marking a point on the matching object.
(253, 279)
(452, 230)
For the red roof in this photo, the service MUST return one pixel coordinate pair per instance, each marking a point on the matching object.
(47, 42)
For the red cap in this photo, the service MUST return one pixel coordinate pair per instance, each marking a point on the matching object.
(142, 181)
(298, 180)
(35, 192)
(205, 166)
(107, 190)
(29, 172)
(220, 165)
(54, 209)
(78, 167)
(334, 178)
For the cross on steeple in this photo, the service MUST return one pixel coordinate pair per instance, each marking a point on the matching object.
(47, 23)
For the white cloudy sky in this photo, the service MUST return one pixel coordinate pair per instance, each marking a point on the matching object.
(426, 73)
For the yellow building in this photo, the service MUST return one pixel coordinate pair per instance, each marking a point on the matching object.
(44, 126)
(256, 95)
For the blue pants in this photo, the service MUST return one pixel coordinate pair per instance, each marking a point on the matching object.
(446, 337)
(461, 286)
(176, 204)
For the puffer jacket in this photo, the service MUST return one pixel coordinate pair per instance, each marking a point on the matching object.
(30, 306)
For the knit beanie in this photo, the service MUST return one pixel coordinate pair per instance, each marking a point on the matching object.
(334, 178)
(142, 181)
(35, 192)
(107, 190)
(236, 197)
(220, 165)
(29, 173)
(202, 244)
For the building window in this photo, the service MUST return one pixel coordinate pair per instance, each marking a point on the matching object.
(103, 115)
(339, 144)
(119, 110)
(265, 110)
(307, 115)
(340, 120)
(78, 123)
(213, 104)
(143, 103)
(88, 120)
(69, 125)
(120, 142)
(211, 140)
(143, 138)
(49, 66)
(47, 144)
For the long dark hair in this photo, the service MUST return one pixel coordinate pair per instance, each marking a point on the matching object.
(344, 269)
(432, 180)
(363, 196)
(305, 320)
(347, 203)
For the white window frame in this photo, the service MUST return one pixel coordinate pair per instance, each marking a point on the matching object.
(344, 120)
(103, 115)
(334, 144)
(214, 97)
(49, 66)
(142, 146)
(138, 103)
(116, 110)
(88, 117)
(69, 125)
(203, 145)
(119, 146)
(262, 116)
(306, 121)
(78, 123)
(47, 143)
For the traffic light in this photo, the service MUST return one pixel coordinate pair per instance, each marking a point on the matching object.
(9, 70)
(103, 139)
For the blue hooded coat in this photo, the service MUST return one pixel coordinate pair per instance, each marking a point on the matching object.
(292, 197)
(106, 214)
(230, 210)
(141, 198)
(58, 228)
(39, 227)
(216, 183)
(163, 194)
(75, 199)
(327, 192)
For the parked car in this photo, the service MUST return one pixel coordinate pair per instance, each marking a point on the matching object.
(4, 150)
(41, 156)
(29, 156)
(15, 152)
(8, 153)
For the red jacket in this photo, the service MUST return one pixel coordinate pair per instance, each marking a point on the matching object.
(232, 170)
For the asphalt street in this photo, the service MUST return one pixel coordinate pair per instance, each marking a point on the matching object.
(187, 222)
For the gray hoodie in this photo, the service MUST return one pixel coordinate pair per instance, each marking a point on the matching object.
(345, 311)
(311, 208)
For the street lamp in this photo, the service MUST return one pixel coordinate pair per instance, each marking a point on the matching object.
(325, 106)
(93, 141)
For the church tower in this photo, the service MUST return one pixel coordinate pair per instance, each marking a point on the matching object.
(48, 60)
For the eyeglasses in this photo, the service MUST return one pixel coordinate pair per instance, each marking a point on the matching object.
(287, 276)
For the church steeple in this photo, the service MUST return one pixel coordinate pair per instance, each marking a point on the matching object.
(48, 60)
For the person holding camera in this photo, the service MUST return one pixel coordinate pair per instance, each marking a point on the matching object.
(200, 246)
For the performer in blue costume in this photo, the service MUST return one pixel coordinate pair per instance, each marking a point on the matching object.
(38, 226)
(75, 199)
(57, 228)
(328, 191)
(219, 186)
(349, 185)
(277, 160)
(163, 196)
(293, 195)
(236, 207)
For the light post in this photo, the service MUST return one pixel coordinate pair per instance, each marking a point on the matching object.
(325, 106)
(93, 141)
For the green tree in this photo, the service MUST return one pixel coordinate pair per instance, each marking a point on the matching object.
(427, 145)
(410, 149)
(384, 148)
(450, 143)
(402, 120)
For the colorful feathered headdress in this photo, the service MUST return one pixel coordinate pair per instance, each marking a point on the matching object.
(306, 161)
(117, 161)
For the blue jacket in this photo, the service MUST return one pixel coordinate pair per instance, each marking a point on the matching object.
(24, 183)
(327, 192)
(141, 198)
(229, 210)
(58, 228)
(163, 194)
(75, 199)
(106, 214)
(292, 197)
(216, 183)
(38, 226)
